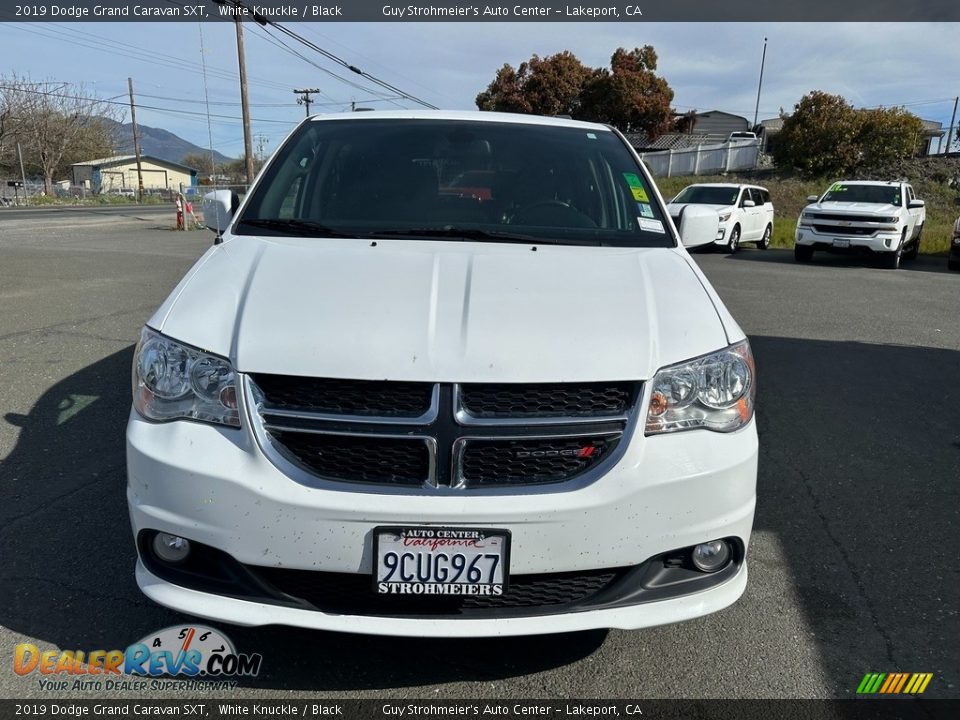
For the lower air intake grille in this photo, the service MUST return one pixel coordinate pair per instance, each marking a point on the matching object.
(351, 594)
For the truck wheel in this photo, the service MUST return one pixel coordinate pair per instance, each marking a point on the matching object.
(803, 253)
(914, 250)
(765, 240)
(891, 260)
(734, 242)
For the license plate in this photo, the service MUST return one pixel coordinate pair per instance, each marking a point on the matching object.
(837, 242)
(440, 561)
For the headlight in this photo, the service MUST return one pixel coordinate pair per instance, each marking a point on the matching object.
(725, 216)
(172, 381)
(889, 220)
(714, 392)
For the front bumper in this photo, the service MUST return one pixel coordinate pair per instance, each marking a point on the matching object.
(880, 242)
(214, 486)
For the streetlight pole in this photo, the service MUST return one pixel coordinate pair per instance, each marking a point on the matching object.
(763, 61)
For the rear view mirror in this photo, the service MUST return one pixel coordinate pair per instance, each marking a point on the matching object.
(915, 204)
(218, 209)
(812, 198)
(749, 203)
(698, 226)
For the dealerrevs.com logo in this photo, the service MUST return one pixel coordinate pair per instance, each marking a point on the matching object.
(193, 652)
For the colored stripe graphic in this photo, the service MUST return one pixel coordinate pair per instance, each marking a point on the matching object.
(894, 683)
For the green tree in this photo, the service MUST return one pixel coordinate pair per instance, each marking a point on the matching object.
(629, 95)
(540, 86)
(826, 135)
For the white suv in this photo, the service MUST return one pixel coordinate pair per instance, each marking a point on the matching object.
(392, 401)
(746, 212)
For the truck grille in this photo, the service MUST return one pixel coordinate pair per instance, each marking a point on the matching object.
(820, 217)
(440, 435)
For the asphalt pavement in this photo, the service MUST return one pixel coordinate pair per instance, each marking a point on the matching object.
(853, 565)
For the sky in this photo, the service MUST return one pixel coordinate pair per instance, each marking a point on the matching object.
(710, 66)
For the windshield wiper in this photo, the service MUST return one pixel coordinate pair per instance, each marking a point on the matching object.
(301, 228)
(465, 234)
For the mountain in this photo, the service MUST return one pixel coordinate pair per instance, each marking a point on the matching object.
(160, 143)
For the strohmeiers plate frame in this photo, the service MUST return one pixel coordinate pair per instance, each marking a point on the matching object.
(396, 529)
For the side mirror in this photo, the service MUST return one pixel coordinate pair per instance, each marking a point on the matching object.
(218, 209)
(915, 204)
(698, 226)
(749, 203)
(812, 198)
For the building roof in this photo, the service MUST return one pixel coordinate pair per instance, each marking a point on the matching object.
(772, 125)
(120, 159)
(721, 112)
(933, 128)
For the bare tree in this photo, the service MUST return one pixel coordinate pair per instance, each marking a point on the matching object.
(56, 124)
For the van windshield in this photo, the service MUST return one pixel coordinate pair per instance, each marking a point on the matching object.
(708, 195)
(456, 179)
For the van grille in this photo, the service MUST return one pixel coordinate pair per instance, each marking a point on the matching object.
(440, 434)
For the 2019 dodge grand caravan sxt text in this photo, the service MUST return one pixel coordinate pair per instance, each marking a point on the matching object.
(445, 374)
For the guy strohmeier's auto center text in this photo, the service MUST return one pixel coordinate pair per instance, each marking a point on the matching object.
(512, 11)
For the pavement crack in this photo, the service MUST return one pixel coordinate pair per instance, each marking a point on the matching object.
(841, 550)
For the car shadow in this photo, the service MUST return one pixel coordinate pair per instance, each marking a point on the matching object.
(858, 481)
(923, 263)
(66, 569)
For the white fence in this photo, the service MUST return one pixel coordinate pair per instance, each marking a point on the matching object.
(703, 159)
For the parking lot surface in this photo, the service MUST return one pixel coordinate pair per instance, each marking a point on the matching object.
(853, 564)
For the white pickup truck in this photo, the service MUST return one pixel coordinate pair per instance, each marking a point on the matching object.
(883, 217)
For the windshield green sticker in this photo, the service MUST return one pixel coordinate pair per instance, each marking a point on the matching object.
(636, 187)
(591, 136)
(837, 187)
(645, 210)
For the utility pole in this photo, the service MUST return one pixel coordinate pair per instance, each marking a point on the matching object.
(953, 119)
(136, 141)
(244, 101)
(23, 175)
(304, 98)
(763, 61)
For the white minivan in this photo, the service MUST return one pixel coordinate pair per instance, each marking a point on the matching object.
(746, 212)
(445, 374)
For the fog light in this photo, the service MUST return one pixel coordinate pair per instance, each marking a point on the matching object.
(711, 556)
(170, 548)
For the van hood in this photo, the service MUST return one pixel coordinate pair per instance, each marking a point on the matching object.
(443, 311)
(675, 208)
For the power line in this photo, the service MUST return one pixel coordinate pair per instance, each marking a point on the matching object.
(326, 53)
(139, 105)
